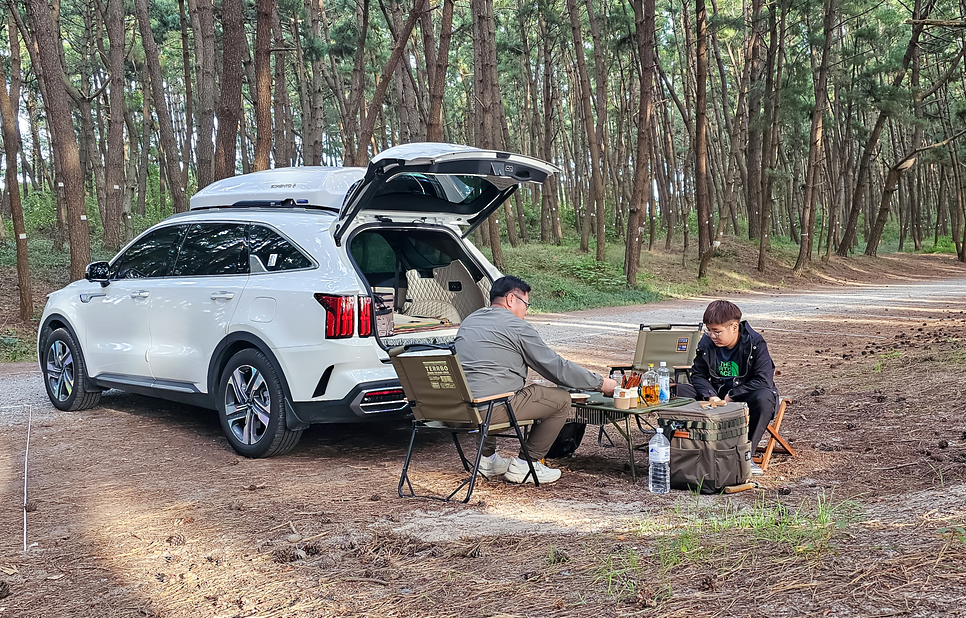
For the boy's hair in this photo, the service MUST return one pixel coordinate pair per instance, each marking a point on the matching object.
(722, 312)
(505, 285)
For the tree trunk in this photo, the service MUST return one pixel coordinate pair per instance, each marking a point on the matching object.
(62, 134)
(114, 174)
(595, 201)
(862, 179)
(230, 99)
(203, 20)
(702, 196)
(263, 83)
(644, 17)
(11, 148)
(188, 96)
(169, 146)
(434, 125)
(812, 169)
(283, 135)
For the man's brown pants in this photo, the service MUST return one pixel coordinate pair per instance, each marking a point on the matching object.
(551, 406)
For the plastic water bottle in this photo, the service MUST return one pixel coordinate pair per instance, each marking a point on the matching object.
(659, 460)
(663, 383)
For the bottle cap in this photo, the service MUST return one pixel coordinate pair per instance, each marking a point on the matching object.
(659, 430)
(663, 364)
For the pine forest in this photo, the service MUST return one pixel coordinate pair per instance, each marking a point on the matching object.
(831, 124)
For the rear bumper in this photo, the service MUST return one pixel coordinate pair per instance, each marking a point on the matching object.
(381, 400)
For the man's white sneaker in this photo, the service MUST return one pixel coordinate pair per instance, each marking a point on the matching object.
(519, 470)
(494, 465)
(756, 469)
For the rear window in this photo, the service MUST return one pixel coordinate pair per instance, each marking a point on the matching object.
(450, 188)
(270, 252)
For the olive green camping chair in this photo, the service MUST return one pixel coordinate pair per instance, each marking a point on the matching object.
(441, 401)
(674, 344)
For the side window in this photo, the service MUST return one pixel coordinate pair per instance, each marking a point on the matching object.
(213, 249)
(151, 256)
(373, 253)
(271, 253)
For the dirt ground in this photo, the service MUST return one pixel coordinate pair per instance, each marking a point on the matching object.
(140, 508)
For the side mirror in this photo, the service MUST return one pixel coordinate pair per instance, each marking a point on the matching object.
(98, 272)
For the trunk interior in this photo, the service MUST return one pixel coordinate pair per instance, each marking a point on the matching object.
(422, 280)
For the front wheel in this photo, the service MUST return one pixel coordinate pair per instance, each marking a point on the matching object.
(251, 406)
(65, 373)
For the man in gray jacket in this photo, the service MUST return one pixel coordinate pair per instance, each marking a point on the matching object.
(496, 347)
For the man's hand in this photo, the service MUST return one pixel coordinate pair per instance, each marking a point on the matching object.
(728, 398)
(608, 387)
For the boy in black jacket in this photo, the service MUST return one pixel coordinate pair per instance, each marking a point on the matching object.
(732, 363)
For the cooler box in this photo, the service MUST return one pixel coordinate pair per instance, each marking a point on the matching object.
(710, 449)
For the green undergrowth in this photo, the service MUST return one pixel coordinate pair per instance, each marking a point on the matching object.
(565, 279)
(718, 536)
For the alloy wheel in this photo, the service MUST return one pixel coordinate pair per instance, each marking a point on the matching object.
(60, 370)
(248, 404)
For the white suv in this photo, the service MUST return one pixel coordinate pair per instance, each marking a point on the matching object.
(275, 298)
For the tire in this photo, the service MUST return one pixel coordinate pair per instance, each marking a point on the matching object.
(65, 373)
(251, 406)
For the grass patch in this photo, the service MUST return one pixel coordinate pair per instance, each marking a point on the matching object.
(15, 347)
(700, 532)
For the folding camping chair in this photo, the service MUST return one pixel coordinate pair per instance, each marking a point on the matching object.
(674, 344)
(776, 443)
(436, 388)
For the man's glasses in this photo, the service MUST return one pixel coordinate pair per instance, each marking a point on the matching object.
(521, 300)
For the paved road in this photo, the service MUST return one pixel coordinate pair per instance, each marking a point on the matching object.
(858, 305)
(605, 335)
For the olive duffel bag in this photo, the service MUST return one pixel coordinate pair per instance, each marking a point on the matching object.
(710, 449)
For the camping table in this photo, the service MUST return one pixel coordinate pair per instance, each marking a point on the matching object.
(600, 410)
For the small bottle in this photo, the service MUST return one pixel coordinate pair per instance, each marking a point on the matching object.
(659, 463)
(663, 383)
(649, 390)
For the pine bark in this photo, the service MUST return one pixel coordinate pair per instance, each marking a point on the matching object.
(263, 83)
(230, 99)
(169, 146)
(64, 139)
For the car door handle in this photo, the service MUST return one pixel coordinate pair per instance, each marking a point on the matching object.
(222, 296)
(140, 294)
(87, 296)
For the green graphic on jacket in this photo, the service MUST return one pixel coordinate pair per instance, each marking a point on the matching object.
(728, 369)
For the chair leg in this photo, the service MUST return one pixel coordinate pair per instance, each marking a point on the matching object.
(773, 436)
(459, 449)
(404, 477)
(523, 444)
(600, 438)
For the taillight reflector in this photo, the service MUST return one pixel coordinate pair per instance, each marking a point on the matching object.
(340, 315)
(365, 316)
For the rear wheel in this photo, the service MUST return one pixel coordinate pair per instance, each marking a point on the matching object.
(251, 406)
(65, 374)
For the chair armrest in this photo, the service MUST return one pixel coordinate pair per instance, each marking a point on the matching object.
(492, 397)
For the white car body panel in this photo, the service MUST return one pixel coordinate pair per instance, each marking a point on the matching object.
(189, 317)
(117, 328)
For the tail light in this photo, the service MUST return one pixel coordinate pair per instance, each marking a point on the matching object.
(365, 316)
(340, 315)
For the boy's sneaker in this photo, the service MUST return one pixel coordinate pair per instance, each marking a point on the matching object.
(494, 465)
(756, 469)
(519, 470)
